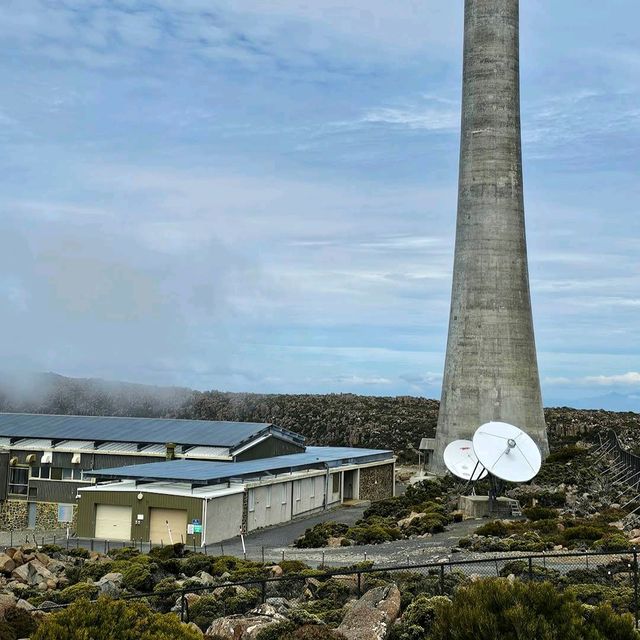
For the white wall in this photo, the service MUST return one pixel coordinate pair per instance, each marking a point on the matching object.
(308, 494)
(269, 505)
(223, 518)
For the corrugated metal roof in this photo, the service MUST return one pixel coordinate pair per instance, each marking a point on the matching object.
(144, 430)
(32, 443)
(205, 472)
(207, 452)
(75, 445)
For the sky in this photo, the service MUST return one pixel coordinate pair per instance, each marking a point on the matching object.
(261, 196)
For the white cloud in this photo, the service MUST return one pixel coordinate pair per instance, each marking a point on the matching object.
(631, 378)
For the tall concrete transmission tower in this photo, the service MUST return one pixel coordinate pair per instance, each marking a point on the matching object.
(491, 369)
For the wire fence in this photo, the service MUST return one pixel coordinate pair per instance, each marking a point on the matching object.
(593, 577)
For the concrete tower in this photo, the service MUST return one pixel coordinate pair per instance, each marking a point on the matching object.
(491, 370)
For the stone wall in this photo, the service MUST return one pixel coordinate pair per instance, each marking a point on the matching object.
(13, 515)
(46, 516)
(376, 483)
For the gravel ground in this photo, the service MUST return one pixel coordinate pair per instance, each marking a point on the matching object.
(277, 540)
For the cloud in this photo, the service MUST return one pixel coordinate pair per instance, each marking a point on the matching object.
(631, 378)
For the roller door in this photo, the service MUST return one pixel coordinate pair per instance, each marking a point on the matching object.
(167, 525)
(113, 522)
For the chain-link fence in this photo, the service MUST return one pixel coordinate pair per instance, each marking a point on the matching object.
(593, 578)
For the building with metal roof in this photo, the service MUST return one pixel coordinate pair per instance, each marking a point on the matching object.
(203, 502)
(45, 459)
(202, 473)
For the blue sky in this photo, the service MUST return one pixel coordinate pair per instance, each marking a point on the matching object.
(261, 196)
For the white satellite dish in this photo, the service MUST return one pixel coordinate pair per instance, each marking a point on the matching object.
(507, 452)
(460, 459)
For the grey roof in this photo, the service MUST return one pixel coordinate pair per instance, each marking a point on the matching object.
(204, 472)
(142, 430)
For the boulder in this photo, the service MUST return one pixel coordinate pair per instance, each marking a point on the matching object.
(23, 604)
(371, 617)
(43, 558)
(276, 571)
(6, 602)
(110, 584)
(33, 573)
(10, 551)
(205, 578)
(241, 627)
(7, 565)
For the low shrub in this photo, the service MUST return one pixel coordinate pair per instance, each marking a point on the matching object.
(495, 528)
(205, 610)
(496, 608)
(137, 577)
(21, 621)
(74, 592)
(566, 454)
(109, 619)
(540, 513)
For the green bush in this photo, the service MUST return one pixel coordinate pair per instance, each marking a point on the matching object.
(491, 609)
(319, 534)
(78, 553)
(417, 619)
(195, 563)
(21, 621)
(205, 610)
(164, 603)
(167, 552)
(124, 553)
(373, 533)
(612, 542)
(7, 632)
(112, 620)
(137, 577)
(74, 592)
(278, 631)
(293, 566)
(50, 549)
(540, 513)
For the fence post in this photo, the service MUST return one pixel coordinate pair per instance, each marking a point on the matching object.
(635, 584)
(441, 579)
(262, 554)
(359, 584)
(530, 568)
(264, 591)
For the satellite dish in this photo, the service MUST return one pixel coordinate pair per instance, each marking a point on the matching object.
(460, 459)
(507, 452)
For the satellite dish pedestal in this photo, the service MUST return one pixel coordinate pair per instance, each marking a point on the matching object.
(504, 453)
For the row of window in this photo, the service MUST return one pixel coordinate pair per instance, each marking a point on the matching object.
(19, 477)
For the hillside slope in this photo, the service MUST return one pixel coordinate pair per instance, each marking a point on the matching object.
(396, 423)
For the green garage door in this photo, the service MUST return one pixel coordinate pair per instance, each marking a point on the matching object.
(113, 522)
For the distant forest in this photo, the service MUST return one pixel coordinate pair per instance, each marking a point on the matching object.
(396, 423)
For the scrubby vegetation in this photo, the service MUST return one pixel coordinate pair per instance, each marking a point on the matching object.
(396, 423)
(424, 509)
(109, 619)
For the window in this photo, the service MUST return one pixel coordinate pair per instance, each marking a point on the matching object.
(19, 480)
(71, 474)
(268, 496)
(336, 482)
(56, 473)
(65, 513)
(252, 500)
(284, 492)
(298, 490)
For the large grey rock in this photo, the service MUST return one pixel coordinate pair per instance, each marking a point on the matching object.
(110, 584)
(7, 565)
(34, 573)
(371, 617)
(244, 627)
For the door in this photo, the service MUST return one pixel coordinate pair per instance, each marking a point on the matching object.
(31, 515)
(168, 526)
(113, 522)
(349, 477)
